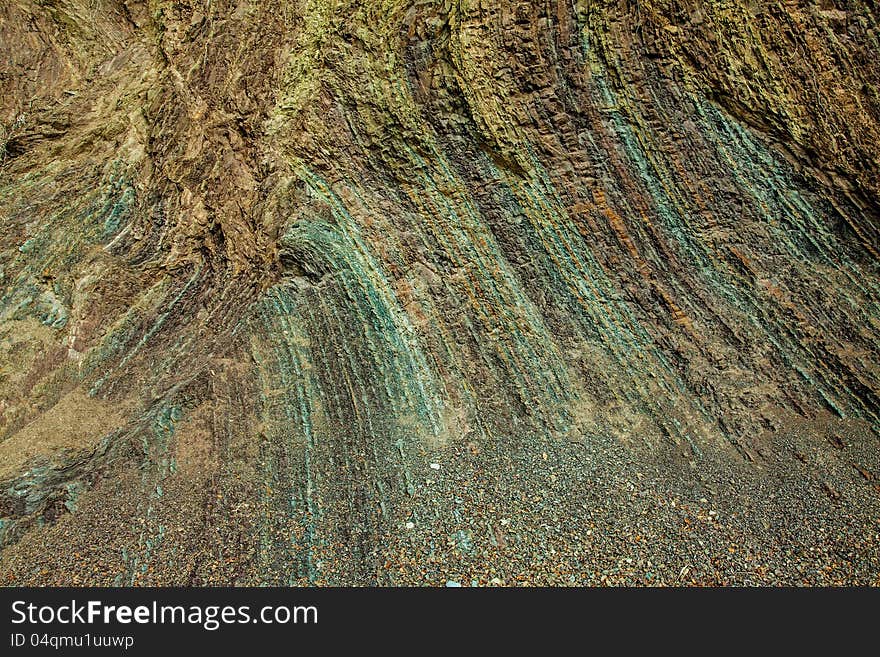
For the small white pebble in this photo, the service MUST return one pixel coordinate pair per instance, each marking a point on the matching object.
(410, 525)
(504, 522)
(435, 466)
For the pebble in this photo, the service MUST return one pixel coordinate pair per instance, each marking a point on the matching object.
(435, 466)
(452, 584)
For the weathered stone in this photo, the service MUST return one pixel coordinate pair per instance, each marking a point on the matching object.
(292, 252)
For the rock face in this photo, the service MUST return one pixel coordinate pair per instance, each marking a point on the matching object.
(573, 292)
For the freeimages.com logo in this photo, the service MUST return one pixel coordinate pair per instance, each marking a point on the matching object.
(211, 617)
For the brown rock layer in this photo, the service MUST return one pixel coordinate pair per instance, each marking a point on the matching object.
(572, 292)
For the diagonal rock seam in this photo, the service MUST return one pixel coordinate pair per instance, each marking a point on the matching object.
(305, 248)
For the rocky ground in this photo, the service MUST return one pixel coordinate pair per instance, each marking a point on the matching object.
(439, 293)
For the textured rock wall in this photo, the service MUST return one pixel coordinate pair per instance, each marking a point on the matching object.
(610, 265)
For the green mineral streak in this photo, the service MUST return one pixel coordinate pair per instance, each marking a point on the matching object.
(157, 466)
(521, 340)
(61, 243)
(72, 493)
(794, 223)
(802, 234)
(287, 411)
(389, 336)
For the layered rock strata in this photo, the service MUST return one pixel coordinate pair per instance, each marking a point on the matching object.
(336, 292)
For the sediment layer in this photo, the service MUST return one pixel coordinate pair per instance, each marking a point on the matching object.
(298, 292)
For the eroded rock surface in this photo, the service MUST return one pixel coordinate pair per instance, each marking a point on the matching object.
(337, 292)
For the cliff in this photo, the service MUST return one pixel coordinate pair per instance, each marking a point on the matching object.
(386, 292)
